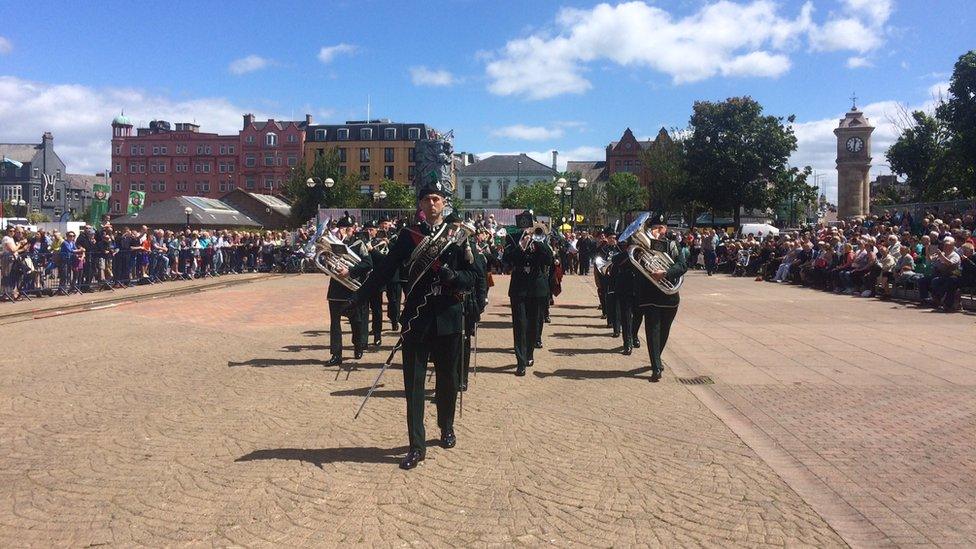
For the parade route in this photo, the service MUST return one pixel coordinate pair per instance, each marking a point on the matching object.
(786, 417)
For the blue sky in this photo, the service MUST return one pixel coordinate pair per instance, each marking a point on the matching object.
(506, 76)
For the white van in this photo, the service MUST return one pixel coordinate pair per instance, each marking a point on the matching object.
(759, 230)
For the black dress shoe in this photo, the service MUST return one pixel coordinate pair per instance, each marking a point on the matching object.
(520, 371)
(396, 327)
(358, 354)
(615, 334)
(448, 439)
(413, 457)
(655, 376)
(636, 343)
(463, 387)
(604, 315)
(334, 361)
(531, 363)
(377, 341)
(628, 351)
(548, 320)
(538, 344)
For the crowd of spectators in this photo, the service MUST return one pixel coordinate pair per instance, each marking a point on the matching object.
(865, 258)
(39, 263)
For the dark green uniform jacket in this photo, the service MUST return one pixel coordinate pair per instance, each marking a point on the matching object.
(442, 313)
(530, 269)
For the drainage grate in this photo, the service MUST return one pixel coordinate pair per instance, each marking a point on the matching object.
(697, 380)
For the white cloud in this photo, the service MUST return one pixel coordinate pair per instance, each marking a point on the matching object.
(248, 64)
(328, 53)
(528, 133)
(6, 46)
(545, 157)
(422, 76)
(724, 38)
(858, 62)
(939, 89)
(80, 117)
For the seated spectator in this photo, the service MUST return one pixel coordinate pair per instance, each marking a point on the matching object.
(945, 272)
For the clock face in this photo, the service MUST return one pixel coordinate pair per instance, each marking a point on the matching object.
(855, 144)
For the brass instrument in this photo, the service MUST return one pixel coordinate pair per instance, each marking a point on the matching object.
(650, 254)
(431, 247)
(331, 254)
(601, 264)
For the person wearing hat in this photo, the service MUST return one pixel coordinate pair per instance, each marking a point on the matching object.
(377, 253)
(388, 233)
(530, 256)
(622, 280)
(432, 317)
(340, 296)
(659, 308)
(474, 303)
(608, 250)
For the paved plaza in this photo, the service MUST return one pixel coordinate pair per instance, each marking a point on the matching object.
(210, 418)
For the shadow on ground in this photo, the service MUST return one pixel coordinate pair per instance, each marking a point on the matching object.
(571, 373)
(320, 456)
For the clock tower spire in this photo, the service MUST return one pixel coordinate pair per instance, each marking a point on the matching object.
(853, 164)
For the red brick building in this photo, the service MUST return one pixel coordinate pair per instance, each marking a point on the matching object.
(167, 160)
(624, 156)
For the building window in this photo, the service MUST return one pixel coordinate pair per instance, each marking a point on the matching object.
(203, 187)
(133, 168)
(389, 134)
(292, 160)
(388, 154)
(413, 134)
(411, 154)
(199, 149)
(268, 183)
(293, 138)
(250, 161)
(118, 187)
(504, 190)
(116, 206)
(230, 167)
(118, 168)
(162, 186)
(133, 149)
(364, 173)
(388, 172)
(249, 183)
(342, 154)
(142, 150)
(269, 160)
(118, 149)
(152, 168)
(35, 192)
(155, 150)
(320, 135)
(249, 139)
(484, 191)
(36, 173)
(365, 134)
(467, 192)
(343, 134)
(364, 154)
(271, 140)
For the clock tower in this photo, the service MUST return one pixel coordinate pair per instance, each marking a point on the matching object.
(853, 164)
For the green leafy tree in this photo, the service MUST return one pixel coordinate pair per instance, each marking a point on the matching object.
(305, 201)
(624, 193)
(919, 155)
(591, 203)
(398, 195)
(958, 113)
(538, 197)
(665, 165)
(793, 194)
(735, 152)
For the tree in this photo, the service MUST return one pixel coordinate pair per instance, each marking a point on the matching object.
(735, 152)
(305, 201)
(919, 154)
(398, 195)
(624, 193)
(664, 162)
(591, 202)
(792, 193)
(958, 113)
(538, 197)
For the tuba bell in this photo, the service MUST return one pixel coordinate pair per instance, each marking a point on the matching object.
(431, 247)
(331, 254)
(649, 254)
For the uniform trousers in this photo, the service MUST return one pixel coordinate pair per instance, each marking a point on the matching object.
(393, 294)
(357, 322)
(629, 319)
(525, 325)
(445, 352)
(376, 314)
(657, 327)
(613, 315)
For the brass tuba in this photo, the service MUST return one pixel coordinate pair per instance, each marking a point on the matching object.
(431, 247)
(331, 254)
(650, 254)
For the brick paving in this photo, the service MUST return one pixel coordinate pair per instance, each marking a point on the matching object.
(211, 418)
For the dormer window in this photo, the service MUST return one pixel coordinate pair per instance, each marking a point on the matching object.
(271, 140)
(389, 134)
(413, 133)
(365, 134)
(320, 135)
(343, 134)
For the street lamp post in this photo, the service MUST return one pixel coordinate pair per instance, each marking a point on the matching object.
(187, 210)
(312, 183)
(564, 188)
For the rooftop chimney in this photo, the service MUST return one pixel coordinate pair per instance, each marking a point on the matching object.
(248, 120)
(554, 155)
(308, 120)
(47, 137)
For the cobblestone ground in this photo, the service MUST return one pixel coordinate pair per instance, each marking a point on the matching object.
(867, 408)
(211, 418)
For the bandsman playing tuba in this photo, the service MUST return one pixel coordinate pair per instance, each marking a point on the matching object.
(340, 295)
